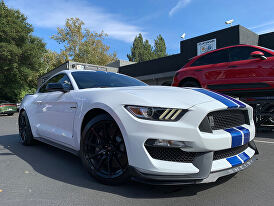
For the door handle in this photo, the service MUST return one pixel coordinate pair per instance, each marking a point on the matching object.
(232, 66)
(38, 102)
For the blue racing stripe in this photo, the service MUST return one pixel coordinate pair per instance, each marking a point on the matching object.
(225, 101)
(246, 134)
(234, 161)
(244, 156)
(236, 137)
(241, 105)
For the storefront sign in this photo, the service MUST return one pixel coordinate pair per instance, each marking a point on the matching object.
(206, 46)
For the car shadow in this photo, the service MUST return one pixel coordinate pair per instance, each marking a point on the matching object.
(63, 166)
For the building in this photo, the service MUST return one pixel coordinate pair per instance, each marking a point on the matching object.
(120, 63)
(161, 71)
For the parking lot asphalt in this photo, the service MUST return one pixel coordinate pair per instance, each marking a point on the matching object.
(44, 175)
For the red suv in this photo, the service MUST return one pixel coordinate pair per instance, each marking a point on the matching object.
(235, 70)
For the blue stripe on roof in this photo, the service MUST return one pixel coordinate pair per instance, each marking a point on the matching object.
(241, 105)
(244, 156)
(225, 101)
(234, 161)
(236, 137)
(246, 134)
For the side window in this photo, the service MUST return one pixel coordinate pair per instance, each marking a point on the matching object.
(217, 57)
(60, 78)
(43, 89)
(56, 78)
(243, 53)
(66, 82)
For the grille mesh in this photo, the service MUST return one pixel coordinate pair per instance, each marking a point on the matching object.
(171, 154)
(229, 152)
(228, 118)
(177, 155)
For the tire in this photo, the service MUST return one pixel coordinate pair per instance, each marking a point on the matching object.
(25, 132)
(103, 151)
(10, 114)
(190, 83)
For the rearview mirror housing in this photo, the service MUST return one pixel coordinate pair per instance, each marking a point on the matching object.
(258, 54)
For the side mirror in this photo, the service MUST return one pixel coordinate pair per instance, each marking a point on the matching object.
(258, 54)
(53, 87)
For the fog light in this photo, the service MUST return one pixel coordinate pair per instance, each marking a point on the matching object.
(165, 143)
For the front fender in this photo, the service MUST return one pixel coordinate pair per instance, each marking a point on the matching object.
(83, 110)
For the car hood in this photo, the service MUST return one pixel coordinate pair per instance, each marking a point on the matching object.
(156, 96)
(162, 96)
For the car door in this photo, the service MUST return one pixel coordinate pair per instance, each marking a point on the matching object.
(246, 72)
(56, 113)
(212, 67)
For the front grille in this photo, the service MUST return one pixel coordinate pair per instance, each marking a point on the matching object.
(171, 154)
(224, 119)
(222, 154)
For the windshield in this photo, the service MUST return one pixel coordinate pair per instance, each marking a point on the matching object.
(85, 79)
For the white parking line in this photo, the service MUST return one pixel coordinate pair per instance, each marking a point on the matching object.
(264, 142)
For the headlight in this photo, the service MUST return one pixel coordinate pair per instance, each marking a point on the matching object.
(156, 113)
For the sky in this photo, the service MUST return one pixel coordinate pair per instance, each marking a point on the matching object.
(122, 20)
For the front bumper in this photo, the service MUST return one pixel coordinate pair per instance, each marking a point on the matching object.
(137, 131)
(206, 172)
(183, 180)
(7, 112)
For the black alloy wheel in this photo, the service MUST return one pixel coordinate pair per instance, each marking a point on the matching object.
(103, 151)
(25, 133)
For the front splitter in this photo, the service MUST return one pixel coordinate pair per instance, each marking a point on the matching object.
(182, 180)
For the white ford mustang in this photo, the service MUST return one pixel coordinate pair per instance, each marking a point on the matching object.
(122, 128)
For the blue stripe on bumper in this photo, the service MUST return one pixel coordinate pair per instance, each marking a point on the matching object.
(236, 137)
(244, 156)
(234, 161)
(225, 101)
(246, 134)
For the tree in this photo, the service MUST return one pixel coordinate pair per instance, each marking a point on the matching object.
(137, 50)
(20, 55)
(142, 50)
(52, 60)
(148, 54)
(82, 45)
(159, 47)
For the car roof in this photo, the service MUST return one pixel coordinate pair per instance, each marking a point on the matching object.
(191, 60)
(239, 45)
